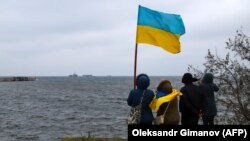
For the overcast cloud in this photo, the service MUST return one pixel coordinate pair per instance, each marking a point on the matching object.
(61, 37)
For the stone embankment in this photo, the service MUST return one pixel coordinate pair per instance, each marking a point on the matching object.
(17, 78)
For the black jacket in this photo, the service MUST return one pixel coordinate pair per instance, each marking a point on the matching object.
(191, 100)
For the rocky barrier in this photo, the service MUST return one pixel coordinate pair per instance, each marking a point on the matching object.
(17, 78)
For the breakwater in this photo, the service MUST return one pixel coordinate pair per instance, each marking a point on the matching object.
(17, 78)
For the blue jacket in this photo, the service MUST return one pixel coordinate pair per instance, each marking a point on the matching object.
(134, 98)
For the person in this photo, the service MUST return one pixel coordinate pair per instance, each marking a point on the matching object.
(166, 103)
(209, 110)
(147, 95)
(191, 101)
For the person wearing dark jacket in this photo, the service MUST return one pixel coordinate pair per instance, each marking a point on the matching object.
(134, 98)
(191, 101)
(209, 110)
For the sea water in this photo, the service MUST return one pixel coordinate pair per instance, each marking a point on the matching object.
(51, 108)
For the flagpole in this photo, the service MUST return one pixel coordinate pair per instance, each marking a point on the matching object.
(135, 65)
(136, 48)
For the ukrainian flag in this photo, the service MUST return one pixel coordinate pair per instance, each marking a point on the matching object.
(159, 29)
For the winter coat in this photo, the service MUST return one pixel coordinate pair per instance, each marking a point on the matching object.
(166, 102)
(208, 89)
(134, 98)
(172, 116)
(191, 100)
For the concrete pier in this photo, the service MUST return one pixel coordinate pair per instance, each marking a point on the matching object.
(17, 78)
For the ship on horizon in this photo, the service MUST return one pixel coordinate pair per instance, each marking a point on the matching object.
(73, 75)
(87, 75)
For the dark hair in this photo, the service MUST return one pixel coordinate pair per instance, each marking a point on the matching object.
(165, 86)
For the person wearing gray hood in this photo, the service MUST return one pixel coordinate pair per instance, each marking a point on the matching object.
(209, 110)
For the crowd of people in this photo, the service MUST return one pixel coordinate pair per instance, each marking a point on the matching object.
(185, 106)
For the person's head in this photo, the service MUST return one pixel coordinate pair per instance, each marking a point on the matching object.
(142, 81)
(208, 78)
(188, 78)
(165, 87)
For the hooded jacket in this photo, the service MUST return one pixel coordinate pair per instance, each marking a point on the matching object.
(135, 96)
(208, 89)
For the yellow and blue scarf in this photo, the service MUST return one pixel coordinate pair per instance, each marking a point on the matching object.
(161, 98)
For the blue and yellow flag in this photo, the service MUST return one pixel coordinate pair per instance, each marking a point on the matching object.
(157, 102)
(159, 29)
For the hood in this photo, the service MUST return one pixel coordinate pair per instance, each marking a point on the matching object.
(188, 78)
(208, 78)
(142, 81)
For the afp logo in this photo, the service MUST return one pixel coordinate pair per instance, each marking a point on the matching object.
(234, 132)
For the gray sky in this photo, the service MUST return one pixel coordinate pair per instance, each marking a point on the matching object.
(61, 37)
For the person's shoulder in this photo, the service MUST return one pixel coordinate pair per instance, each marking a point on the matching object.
(198, 86)
(150, 91)
(183, 88)
(132, 91)
(214, 84)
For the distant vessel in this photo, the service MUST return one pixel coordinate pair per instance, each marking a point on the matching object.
(73, 75)
(87, 75)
